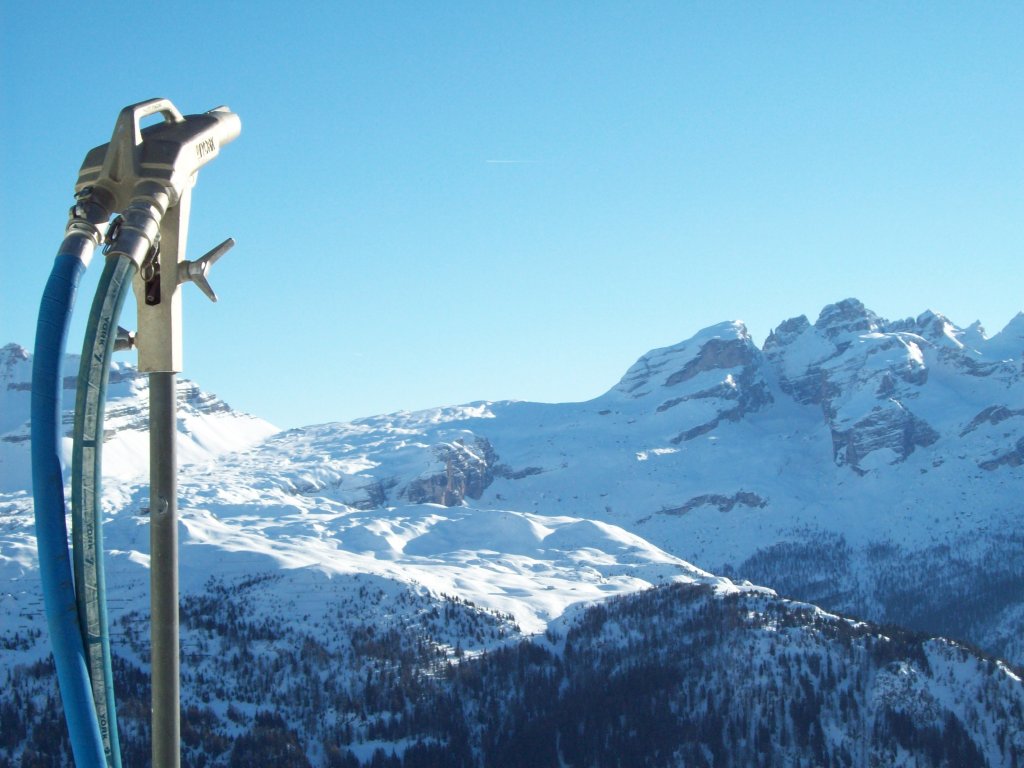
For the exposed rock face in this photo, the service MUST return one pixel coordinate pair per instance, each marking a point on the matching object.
(868, 376)
(720, 368)
(887, 426)
(1013, 458)
(848, 317)
(15, 386)
(722, 503)
(865, 374)
(994, 414)
(722, 347)
(127, 406)
(468, 471)
(10, 356)
(716, 354)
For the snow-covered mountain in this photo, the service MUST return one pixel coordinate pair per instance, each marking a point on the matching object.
(871, 467)
(207, 426)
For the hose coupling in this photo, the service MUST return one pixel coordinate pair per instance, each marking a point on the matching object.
(137, 230)
(89, 215)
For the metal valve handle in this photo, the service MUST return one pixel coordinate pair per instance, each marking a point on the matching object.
(195, 271)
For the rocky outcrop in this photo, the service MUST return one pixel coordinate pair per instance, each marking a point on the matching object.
(10, 356)
(994, 414)
(837, 322)
(716, 354)
(468, 471)
(720, 369)
(864, 373)
(1012, 458)
(891, 428)
(796, 352)
(867, 375)
(719, 501)
(737, 396)
(722, 347)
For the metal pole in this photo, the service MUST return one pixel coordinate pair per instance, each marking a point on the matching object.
(163, 571)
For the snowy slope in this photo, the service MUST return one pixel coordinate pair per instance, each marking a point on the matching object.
(207, 426)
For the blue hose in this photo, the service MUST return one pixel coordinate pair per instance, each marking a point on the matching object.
(87, 492)
(48, 491)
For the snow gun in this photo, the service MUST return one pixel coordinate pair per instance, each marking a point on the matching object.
(144, 176)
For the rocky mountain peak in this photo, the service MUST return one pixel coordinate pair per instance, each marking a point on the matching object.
(938, 329)
(11, 354)
(1009, 342)
(720, 347)
(787, 332)
(718, 373)
(716, 354)
(848, 316)
(974, 335)
(15, 386)
(870, 377)
(13, 364)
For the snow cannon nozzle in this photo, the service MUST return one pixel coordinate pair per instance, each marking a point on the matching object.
(166, 154)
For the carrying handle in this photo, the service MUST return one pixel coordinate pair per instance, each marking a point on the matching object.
(132, 116)
(121, 154)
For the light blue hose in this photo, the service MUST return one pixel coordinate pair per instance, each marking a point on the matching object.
(87, 492)
(48, 491)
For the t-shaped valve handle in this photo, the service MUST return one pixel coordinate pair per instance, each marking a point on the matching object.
(195, 271)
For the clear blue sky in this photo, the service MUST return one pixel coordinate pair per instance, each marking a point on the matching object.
(676, 164)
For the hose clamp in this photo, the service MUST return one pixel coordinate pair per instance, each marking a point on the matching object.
(90, 211)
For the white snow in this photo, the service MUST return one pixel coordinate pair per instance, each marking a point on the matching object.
(594, 499)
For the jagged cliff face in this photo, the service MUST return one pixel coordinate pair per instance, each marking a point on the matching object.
(718, 373)
(15, 386)
(871, 378)
(884, 389)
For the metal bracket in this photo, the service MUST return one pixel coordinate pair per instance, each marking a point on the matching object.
(158, 299)
(124, 340)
